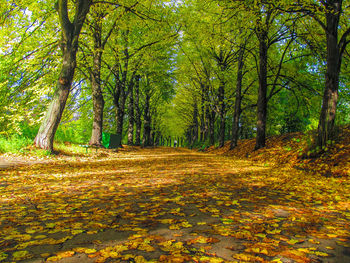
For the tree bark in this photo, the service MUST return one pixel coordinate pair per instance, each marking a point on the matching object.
(147, 120)
(137, 112)
(211, 120)
(122, 85)
(262, 94)
(334, 58)
(238, 101)
(221, 96)
(131, 114)
(202, 116)
(69, 46)
(97, 97)
(120, 110)
(194, 124)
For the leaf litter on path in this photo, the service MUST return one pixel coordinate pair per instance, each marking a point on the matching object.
(171, 205)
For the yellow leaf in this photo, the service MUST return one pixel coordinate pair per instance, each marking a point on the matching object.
(50, 225)
(167, 221)
(305, 250)
(33, 229)
(211, 259)
(332, 235)
(65, 254)
(186, 224)
(264, 251)
(140, 259)
(89, 251)
(40, 236)
(146, 247)
(174, 227)
(84, 250)
(76, 231)
(319, 253)
(20, 255)
(3, 256)
(54, 258)
(114, 254)
(313, 241)
(260, 235)
(273, 232)
(243, 257)
(292, 241)
(178, 245)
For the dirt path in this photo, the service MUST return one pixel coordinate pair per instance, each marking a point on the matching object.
(171, 205)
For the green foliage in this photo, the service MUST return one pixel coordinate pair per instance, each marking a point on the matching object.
(174, 47)
(75, 132)
(105, 139)
(14, 143)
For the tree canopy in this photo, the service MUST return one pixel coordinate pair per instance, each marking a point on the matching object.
(155, 71)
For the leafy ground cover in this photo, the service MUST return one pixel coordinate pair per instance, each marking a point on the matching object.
(296, 151)
(171, 205)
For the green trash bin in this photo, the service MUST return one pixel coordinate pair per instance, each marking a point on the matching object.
(115, 141)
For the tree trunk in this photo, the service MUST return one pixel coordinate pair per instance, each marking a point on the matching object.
(44, 138)
(147, 121)
(153, 137)
(137, 112)
(330, 96)
(238, 101)
(97, 97)
(202, 115)
(207, 113)
(194, 124)
(69, 46)
(212, 127)
(122, 85)
(221, 96)
(131, 114)
(120, 111)
(262, 99)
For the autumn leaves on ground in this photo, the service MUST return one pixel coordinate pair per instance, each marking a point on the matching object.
(172, 205)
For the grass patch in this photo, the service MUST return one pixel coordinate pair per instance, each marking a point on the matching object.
(14, 143)
(69, 148)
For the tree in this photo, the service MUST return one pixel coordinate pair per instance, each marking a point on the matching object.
(69, 46)
(98, 14)
(335, 49)
(333, 20)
